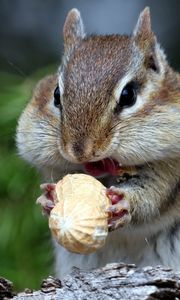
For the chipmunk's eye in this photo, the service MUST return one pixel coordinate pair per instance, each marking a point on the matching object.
(128, 96)
(57, 98)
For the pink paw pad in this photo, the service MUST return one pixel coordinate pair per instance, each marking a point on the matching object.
(114, 197)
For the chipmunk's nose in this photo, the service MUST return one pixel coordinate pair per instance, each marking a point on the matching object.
(80, 151)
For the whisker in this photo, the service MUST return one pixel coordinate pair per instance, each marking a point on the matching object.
(40, 134)
(19, 71)
(117, 124)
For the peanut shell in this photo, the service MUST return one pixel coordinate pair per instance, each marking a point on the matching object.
(79, 219)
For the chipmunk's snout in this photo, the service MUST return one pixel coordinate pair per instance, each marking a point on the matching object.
(79, 151)
(84, 143)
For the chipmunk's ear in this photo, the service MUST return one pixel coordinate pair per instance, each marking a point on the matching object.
(143, 26)
(73, 30)
(154, 57)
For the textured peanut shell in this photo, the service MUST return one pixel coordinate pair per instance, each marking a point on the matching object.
(79, 220)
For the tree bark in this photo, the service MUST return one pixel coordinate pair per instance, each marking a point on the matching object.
(114, 281)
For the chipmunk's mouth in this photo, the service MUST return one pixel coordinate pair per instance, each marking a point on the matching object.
(102, 167)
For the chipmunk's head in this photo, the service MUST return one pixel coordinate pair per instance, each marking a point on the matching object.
(111, 95)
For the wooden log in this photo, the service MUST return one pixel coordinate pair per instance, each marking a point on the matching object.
(114, 281)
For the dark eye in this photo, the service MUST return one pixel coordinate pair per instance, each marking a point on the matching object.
(128, 96)
(57, 100)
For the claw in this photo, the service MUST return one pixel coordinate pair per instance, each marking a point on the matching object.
(117, 222)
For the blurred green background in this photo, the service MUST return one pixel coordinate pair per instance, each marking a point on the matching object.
(30, 47)
(25, 254)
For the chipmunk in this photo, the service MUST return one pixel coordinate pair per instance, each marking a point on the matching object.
(113, 102)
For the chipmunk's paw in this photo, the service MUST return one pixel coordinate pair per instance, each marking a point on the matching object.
(119, 211)
(47, 199)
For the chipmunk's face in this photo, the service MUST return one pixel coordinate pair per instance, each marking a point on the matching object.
(111, 99)
(107, 93)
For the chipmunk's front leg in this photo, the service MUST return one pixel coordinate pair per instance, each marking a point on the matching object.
(144, 197)
(133, 199)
